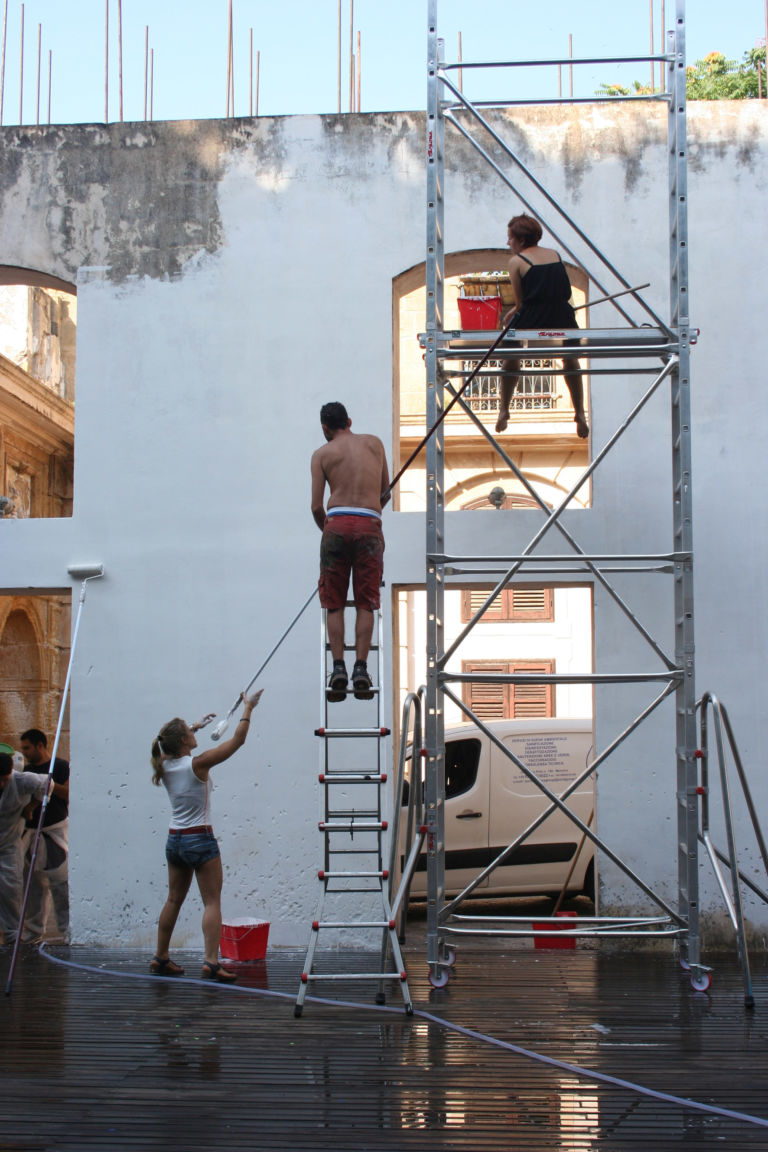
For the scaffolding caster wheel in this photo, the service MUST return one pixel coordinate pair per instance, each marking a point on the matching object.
(449, 957)
(297, 1010)
(701, 982)
(440, 978)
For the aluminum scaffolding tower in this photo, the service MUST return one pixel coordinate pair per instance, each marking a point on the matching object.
(650, 345)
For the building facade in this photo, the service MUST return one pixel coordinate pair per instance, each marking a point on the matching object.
(231, 277)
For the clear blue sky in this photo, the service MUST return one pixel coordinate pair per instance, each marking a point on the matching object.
(297, 40)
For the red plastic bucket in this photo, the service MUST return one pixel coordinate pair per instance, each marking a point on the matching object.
(244, 939)
(553, 941)
(480, 311)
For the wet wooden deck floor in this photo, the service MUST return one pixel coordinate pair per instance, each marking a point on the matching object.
(507, 1056)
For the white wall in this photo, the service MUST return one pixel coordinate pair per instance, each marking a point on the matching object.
(232, 277)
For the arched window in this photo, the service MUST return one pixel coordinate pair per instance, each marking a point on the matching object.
(38, 323)
(541, 436)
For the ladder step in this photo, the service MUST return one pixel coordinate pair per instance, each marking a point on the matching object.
(355, 815)
(382, 874)
(352, 777)
(366, 825)
(307, 977)
(318, 924)
(342, 732)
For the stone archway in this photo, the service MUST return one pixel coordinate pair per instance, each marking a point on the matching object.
(34, 653)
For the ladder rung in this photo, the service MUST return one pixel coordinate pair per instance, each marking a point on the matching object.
(366, 825)
(352, 813)
(318, 924)
(352, 777)
(357, 850)
(382, 874)
(376, 732)
(373, 647)
(306, 977)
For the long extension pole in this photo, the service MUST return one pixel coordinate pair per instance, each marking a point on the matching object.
(221, 727)
(449, 405)
(96, 572)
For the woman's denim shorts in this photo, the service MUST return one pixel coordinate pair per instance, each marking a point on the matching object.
(191, 851)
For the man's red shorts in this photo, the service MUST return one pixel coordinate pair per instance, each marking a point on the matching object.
(351, 544)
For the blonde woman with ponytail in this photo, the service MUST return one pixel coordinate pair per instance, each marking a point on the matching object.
(191, 848)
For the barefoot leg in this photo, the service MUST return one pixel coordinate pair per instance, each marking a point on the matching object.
(508, 385)
(576, 388)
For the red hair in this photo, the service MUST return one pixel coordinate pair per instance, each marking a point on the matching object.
(525, 229)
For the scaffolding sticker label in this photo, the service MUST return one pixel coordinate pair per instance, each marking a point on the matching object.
(555, 760)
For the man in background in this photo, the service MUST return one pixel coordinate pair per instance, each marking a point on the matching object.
(16, 791)
(51, 874)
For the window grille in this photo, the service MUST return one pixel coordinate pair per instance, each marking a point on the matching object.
(534, 393)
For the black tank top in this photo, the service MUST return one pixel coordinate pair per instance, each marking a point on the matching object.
(546, 297)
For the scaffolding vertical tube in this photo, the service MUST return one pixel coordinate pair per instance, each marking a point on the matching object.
(682, 509)
(433, 722)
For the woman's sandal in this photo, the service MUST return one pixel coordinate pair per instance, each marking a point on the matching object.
(165, 967)
(218, 973)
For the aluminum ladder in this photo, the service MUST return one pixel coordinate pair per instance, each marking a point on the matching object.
(354, 878)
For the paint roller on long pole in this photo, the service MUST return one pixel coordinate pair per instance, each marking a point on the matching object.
(588, 304)
(222, 726)
(83, 572)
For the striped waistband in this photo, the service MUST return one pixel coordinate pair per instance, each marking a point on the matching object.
(344, 510)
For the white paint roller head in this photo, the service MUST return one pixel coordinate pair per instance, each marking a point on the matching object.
(85, 571)
(220, 729)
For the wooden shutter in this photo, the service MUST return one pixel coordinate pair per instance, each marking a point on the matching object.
(531, 603)
(472, 600)
(512, 604)
(532, 700)
(509, 701)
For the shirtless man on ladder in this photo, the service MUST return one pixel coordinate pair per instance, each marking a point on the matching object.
(354, 466)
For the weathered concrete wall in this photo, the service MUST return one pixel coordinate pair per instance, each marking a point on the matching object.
(232, 277)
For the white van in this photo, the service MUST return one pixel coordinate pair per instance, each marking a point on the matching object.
(489, 802)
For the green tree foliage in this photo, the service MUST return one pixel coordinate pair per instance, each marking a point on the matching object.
(713, 78)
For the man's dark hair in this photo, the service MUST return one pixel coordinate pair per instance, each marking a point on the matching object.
(6, 763)
(35, 736)
(334, 415)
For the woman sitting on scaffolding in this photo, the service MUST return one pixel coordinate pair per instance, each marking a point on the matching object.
(543, 294)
